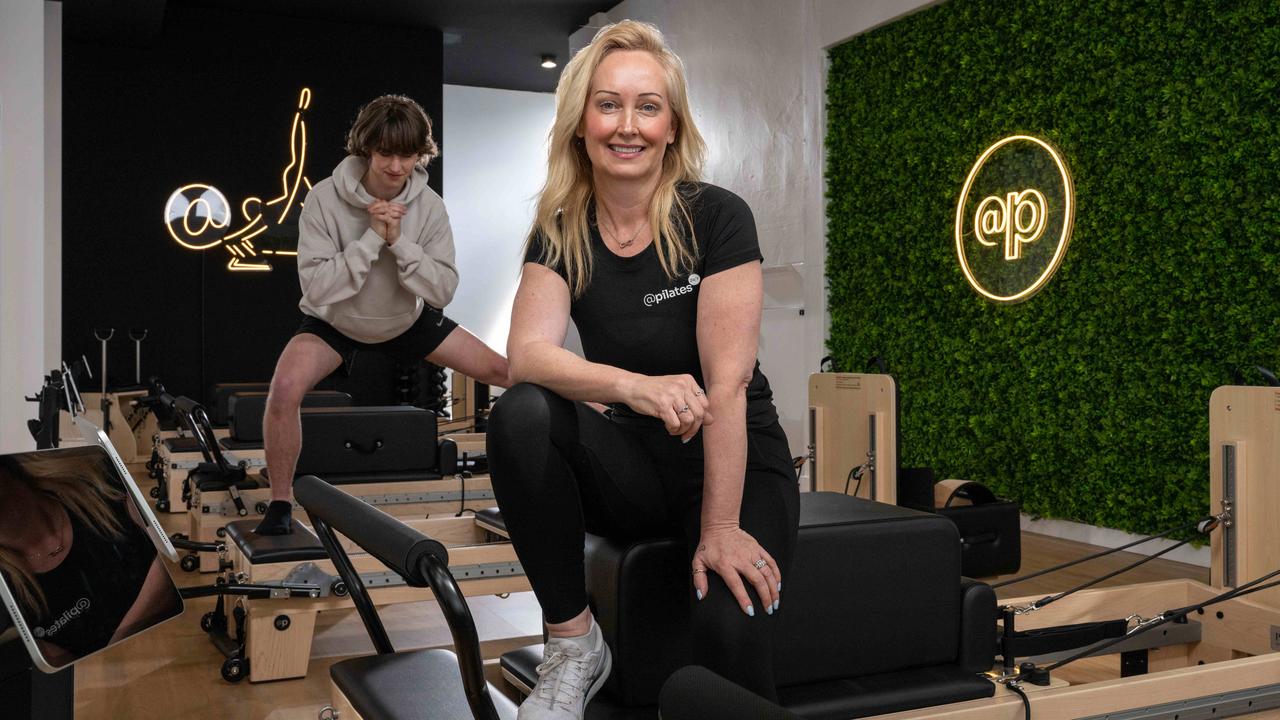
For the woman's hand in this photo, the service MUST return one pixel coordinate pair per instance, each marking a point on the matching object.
(736, 556)
(676, 400)
(384, 219)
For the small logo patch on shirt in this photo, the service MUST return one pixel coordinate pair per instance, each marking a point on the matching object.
(71, 614)
(652, 299)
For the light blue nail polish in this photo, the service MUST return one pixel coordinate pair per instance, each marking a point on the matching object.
(768, 609)
(751, 611)
(776, 603)
(699, 592)
(779, 586)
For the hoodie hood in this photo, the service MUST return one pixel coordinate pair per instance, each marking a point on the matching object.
(347, 176)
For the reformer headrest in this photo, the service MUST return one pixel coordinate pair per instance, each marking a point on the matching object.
(398, 546)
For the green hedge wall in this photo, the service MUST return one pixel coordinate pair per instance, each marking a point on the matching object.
(1088, 402)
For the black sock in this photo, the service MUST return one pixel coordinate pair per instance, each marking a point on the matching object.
(278, 520)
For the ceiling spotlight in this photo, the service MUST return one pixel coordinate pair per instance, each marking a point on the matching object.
(548, 61)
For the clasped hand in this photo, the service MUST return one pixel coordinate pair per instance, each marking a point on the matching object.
(676, 400)
(735, 556)
(384, 219)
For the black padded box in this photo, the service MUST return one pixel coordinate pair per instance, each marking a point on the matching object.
(865, 575)
(220, 398)
(364, 441)
(245, 410)
(875, 616)
(990, 537)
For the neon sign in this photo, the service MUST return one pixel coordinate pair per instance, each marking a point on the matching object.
(1026, 211)
(198, 215)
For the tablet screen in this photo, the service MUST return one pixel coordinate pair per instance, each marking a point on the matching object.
(75, 561)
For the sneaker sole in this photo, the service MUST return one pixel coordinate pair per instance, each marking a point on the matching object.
(599, 683)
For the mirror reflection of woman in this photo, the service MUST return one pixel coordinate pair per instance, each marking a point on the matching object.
(74, 552)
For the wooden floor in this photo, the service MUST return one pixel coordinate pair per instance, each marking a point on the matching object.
(172, 671)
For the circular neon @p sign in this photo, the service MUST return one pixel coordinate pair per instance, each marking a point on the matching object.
(1014, 218)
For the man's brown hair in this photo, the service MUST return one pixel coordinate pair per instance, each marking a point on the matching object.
(392, 125)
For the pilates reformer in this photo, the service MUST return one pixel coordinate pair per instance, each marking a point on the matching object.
(384, 455)
(268, 636)
(1188, 650)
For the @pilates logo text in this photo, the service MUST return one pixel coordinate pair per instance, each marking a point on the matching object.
(651, 299)
(70, 614)
(1014, 217)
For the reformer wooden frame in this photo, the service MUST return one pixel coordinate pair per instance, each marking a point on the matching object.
(207, 512)
(847, 410)
(1239, 647)
(275, 654)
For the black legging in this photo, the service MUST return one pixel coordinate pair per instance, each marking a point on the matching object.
(560, 468)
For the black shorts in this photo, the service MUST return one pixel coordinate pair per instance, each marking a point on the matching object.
(410, 346)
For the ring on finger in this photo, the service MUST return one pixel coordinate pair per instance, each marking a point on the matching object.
(698, 570)
(759, 564)
(683, 410)
(698, 393)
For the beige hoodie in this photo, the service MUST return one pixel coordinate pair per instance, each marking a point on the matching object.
(350, 278)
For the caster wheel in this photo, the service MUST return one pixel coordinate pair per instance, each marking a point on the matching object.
(190, 563)
(260, 508)
(207, 622)
(234, 670)
(155, 492)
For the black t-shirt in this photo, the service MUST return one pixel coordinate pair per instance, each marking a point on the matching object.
(90, 591)
(633, 317)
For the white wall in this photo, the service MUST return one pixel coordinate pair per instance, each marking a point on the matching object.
(495, 156)
(22, 215)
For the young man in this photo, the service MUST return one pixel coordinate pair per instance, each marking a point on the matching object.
(376, 263)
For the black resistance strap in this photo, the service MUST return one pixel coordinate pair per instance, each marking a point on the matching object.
(1204, 526)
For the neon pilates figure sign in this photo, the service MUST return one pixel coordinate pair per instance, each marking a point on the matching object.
(198, 216)
(1014, 218)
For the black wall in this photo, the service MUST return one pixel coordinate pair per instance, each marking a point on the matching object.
(209, 99)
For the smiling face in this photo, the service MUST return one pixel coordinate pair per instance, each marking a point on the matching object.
(388, 172)
(627, 123)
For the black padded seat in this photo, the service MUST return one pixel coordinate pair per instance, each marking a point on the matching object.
(229, 443)
(182, 445)
(215, 481)
(417, 685)
(885, 693)
(299, 546)
(491, 519)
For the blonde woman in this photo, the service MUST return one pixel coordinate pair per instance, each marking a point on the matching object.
(661, 274)
(74, 551)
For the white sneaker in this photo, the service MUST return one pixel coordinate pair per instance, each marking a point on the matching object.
(572, 671)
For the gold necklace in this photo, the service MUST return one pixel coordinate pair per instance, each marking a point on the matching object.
(62, 545)
(614, 232)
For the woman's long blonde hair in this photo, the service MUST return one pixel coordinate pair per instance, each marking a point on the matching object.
(562, 213)
(76, 483)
